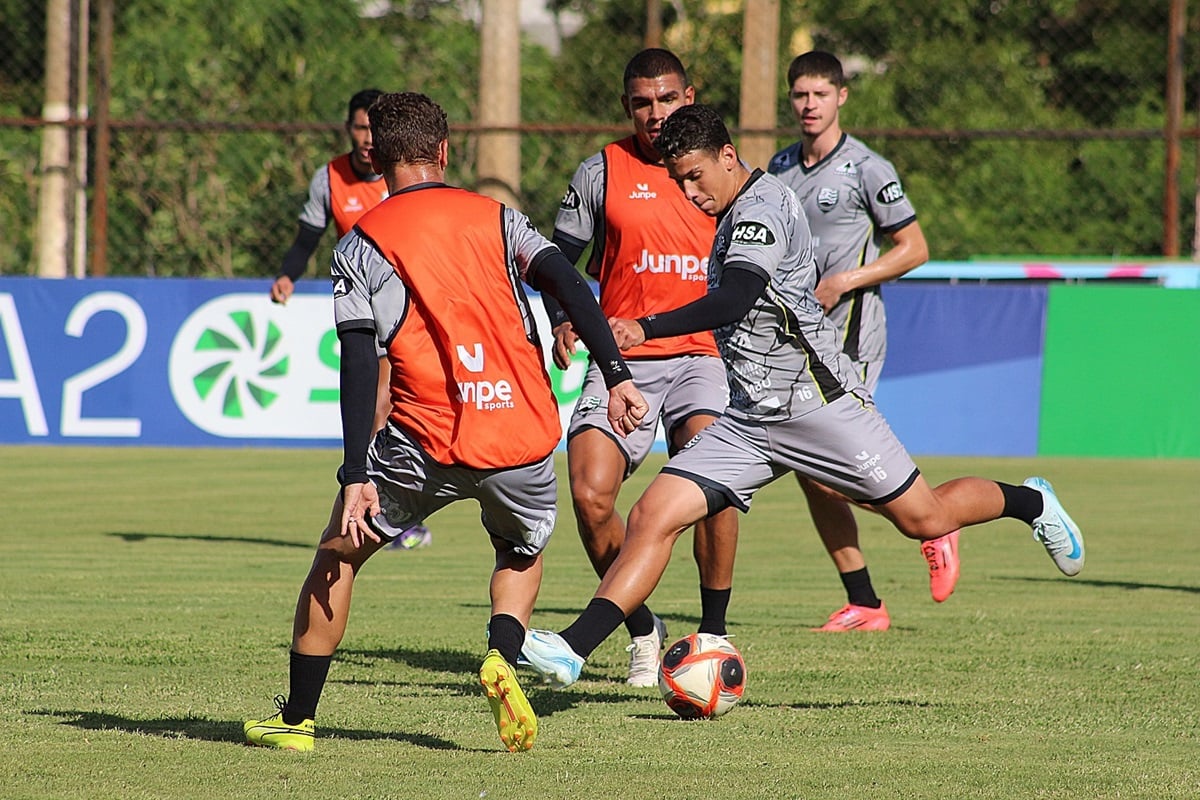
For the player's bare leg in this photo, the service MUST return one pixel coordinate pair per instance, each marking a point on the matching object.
(322, 611)
(514, 588)
(669, 505)
(323, 607)
(927, 513)
(714, 546)
(835, 524)
(834, 520)
(597, 470)
(516, 580)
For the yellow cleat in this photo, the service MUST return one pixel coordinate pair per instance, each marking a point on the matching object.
(514, 716)
(274, 732)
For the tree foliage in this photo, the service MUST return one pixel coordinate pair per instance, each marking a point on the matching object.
(207, 202)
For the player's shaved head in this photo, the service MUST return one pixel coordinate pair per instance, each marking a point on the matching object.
(654, 62)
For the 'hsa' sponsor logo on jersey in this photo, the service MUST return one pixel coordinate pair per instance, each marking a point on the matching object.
(892, 193)
(752, 233)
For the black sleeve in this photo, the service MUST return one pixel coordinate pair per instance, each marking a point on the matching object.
(723, 305)
(295, 260)
(551, 273)
(572, 249)
(359, 385)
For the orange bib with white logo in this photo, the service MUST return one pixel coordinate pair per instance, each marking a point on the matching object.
(468, 378)
(349, 195)
(655, 250)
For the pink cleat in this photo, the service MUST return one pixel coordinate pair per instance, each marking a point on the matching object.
(857, 618)
(942, 556)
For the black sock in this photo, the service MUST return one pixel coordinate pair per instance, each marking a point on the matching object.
(713, 605)
(1021, 502)
(506, 634)
(598, 620)
(859, 591)
(307, 674)
(640, 622)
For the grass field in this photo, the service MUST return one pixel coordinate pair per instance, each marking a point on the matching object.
(147, 598)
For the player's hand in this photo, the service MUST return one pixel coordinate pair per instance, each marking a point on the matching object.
(359, 500)
(627, 332)
(831, 288)
(626, 408)
(564, 344)
(282, 289)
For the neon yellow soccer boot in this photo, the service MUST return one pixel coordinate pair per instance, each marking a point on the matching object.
(274, 732)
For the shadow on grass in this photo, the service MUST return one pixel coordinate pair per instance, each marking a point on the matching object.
(209, 730)
(826, 706)
(1128, 585)
(673, 621)
(545, 701)
(141, 537)
(441, 659)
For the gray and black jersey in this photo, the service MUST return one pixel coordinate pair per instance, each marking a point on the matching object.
(853, 198)
(318, 209)
(783, 358)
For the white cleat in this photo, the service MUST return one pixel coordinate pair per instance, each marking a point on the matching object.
(644, 659)
(1057, 532)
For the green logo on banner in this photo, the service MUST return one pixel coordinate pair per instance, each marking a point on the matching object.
(249, 365)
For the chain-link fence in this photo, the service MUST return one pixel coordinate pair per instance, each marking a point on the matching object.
(1021, 127)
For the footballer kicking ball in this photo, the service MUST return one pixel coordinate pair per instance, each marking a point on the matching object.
(702, 676)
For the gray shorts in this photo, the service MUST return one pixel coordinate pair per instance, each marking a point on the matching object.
(846, 445)
(674, 388)
(517, 504)
(869, 372)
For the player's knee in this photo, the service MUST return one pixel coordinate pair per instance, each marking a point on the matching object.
(921, 529)
(645, 522)
(340, 548)
(592, 506)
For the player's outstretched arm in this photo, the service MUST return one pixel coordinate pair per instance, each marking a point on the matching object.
(359, 383)
(909, 250)
(551, 273)
(295, 261)
(723, 305)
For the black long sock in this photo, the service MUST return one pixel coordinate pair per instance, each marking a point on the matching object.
(859, 591)
(640, 622)
(307, 676)
(506, 634)
(1021, 502)
(595, 624)
(713, 605)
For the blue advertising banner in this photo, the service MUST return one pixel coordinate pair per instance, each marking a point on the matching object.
(180, 362)
(963, 374)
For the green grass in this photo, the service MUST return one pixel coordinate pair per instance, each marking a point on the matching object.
(146, 600)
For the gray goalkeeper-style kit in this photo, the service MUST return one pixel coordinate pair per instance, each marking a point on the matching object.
(796, 403)
(853, 198)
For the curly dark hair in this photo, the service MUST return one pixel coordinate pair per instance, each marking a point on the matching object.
(695, 127)
(407, 128)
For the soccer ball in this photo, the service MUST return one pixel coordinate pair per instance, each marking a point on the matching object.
(702, 676)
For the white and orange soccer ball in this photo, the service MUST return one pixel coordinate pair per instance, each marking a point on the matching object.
(702, 676)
